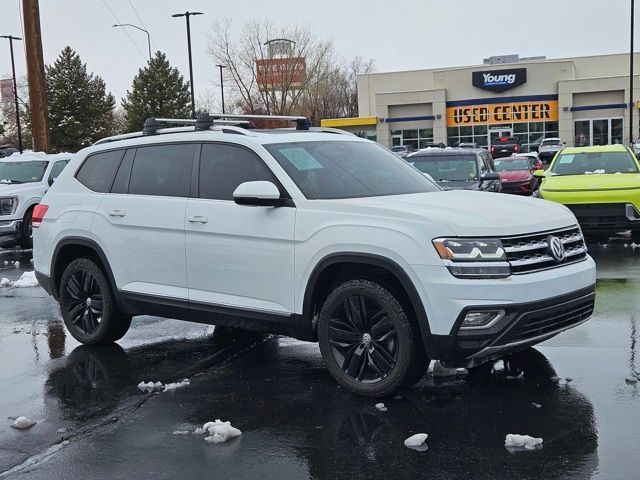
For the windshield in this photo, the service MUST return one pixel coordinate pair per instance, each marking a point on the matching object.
(339, 169)
(22, 172)
(512, 165)
(448, 168)
(594, 163)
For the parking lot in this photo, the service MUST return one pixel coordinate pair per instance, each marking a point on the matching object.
(93, 421)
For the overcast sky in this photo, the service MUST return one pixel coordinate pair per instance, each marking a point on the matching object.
(397, 34)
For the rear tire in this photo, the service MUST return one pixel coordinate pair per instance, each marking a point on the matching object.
(88, 305)
(367, 340)
(26, 232)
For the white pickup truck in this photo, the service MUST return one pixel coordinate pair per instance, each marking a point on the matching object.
(548, 149)
(24, 179)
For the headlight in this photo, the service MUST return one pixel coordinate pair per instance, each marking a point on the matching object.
(8, 205)
(473, 257)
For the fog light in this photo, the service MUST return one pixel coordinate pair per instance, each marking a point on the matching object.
(481, 319)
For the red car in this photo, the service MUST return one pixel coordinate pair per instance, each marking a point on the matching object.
(516, 175)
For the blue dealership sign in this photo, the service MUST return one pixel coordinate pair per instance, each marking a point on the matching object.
(499, 80)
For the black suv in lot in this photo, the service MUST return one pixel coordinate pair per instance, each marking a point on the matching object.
(458, 168)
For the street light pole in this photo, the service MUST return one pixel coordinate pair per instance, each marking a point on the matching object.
(631, 104)
(142, 30)
(15, 88)
(187, 14)
(221, 85)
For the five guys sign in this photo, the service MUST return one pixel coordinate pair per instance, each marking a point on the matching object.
(278, 73)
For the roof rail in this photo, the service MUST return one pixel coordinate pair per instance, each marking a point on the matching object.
(206, 120)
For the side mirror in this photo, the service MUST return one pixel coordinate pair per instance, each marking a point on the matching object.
(258, 194)
(429, 177)
(51, 180)
(489, 176)
(539, 173)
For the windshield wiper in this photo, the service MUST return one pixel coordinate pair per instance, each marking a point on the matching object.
(11, 181)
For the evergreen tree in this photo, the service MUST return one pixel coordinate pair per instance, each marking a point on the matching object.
(158, 90)
(80, 108)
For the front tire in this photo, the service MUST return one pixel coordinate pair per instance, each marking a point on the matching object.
(26, 232)
(88, 305)
(367, 340)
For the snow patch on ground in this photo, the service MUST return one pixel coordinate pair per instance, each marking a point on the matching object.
(218, 431)
(536, 405)
(180, 432)
(381, 407)
(173, 386)
(26, 280)
(149, 386)
(22, 423)
(416, 441)
(515, 441)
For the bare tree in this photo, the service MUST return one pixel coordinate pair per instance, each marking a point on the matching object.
(327, 89)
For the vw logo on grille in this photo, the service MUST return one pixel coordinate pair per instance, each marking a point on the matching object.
(556, 248)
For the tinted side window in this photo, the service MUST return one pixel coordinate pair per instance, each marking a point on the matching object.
(224, 167)
(163, 170)
(121, 182)
(97, 171)
(57, 168)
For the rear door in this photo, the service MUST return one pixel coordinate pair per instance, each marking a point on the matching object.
(140, 223)
(239, 257)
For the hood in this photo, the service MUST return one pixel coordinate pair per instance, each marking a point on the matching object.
(465, 213)
(17, 189)
(596, 181)
(515, 176)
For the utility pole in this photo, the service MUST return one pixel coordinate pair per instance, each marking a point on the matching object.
(187, 14)
(221, 85)
(15, 88)
(35, 75)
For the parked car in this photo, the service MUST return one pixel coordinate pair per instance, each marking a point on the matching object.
(468, 145)
(548, 149)
(504, 146)
(7, 150)
(24, 179)
(402, 150)
(600, 185)
(516, 175)
(458, 168)
(321, 236)
(533, 159)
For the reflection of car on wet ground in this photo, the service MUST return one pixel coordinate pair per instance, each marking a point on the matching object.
(24, 179)
(458, 168)
(600, 185)
(322, 236)
(516, 175)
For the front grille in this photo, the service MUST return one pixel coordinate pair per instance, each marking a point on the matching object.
(603, 216)
(530, 253)
(543, 322)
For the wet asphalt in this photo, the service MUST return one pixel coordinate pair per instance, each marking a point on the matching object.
(93, 422)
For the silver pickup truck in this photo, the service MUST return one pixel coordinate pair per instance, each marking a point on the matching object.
(548, 149)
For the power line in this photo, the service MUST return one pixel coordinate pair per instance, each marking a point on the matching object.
(125, 30)
(140, 18)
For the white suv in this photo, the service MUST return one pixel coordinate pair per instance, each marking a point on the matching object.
(310, 233)
(24, 179)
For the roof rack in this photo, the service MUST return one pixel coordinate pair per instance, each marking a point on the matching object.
(206, 120)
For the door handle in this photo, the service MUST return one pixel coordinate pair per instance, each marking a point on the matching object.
(198, 219)
(117, 213)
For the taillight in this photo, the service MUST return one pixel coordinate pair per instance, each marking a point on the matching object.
(493, 149)
(515, 148)
(38, 214)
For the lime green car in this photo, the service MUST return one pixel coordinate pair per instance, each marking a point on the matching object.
(601, 185)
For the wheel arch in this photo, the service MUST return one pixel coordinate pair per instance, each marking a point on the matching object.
(70, 248)
(331, 267)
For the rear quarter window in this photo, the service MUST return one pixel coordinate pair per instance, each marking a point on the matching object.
(162, 170)
(97, 171)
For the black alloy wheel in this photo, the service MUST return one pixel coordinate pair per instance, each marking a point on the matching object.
(84, 301)
(369, 341)
(88, 305)
(363, 339)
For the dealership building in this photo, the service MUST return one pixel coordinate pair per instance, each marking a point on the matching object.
(582, 100)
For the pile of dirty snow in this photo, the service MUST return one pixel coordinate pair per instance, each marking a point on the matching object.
(158, 386)
(218, 431)
(515, 441)
(26, 280)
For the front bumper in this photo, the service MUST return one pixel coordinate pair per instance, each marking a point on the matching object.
(523, 325)
(10, 231)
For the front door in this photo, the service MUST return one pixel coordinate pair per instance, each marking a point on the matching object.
(238, 257)
(496, 133)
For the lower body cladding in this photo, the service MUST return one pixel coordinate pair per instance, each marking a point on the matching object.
(10, 231)
(475, 321)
